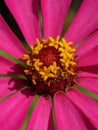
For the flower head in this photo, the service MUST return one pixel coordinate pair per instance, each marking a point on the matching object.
(52, 68)
(51, 65)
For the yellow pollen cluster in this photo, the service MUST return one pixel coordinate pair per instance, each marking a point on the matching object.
(49, 72)
(62, 67)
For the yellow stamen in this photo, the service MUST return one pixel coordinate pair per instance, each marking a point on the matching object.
(28, 62)
(62, 67)
(51, 39)
(26, 56)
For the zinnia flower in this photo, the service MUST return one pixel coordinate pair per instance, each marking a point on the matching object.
(52, 68)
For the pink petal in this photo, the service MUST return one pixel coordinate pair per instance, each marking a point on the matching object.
(8, 41)
(41, 116)
(26, 14)
(9, 67)
(10, 85)
(13, 111)
(85, 22)
(91, 69)
(90, 43)
(88, 81)
(68, 116)
(54, 12)
(90, 58)
(86, 104)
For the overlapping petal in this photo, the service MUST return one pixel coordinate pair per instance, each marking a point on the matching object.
(10, 85)
(9, 67)
(88, 81)
(41, 118)
(14, 109)
(8, 41)
(85, 22)
(90, 69)
(87, 45)
(54, 12)
(86, 104)
(68, 116)
(90, 58)
(26, 14)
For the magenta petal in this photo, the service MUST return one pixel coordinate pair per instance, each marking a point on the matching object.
(86, 104)
(85, 21)
(40, 118)
(8, 41)
(68, 116)
(10, 85)
(13, 111)
(90, 69)
(54, 12)
(26, 14)
(88, 81)
(90, 43)
(5, 65)
(8, 67)
(90, 58)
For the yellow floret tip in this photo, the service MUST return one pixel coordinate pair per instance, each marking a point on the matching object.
(25, 56)
(63, 66)
(51, 39)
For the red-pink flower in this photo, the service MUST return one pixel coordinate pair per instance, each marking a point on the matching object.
(73, 109)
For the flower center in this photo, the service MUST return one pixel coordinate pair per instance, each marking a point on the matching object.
(48, 55)
(50, 65)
